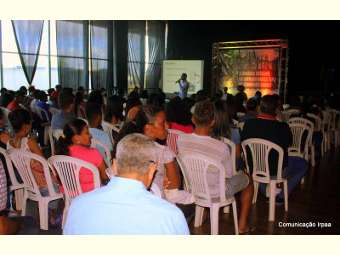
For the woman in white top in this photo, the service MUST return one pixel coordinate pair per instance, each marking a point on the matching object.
(151, 121)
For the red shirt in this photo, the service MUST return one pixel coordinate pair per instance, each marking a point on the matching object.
(13, 105)
(188, 129)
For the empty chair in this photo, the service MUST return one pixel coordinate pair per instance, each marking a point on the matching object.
(257, 150)
(310, 149)
(317, 129)
(68, 169)
(171, 140)
(195, 166)
(16, 186)
(22, 161)
(302, 135)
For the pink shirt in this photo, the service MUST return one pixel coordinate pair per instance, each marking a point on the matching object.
(188, 129)
(90, 155)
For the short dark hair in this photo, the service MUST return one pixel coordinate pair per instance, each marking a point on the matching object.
(65, 99)
(18, 118)
(268, 105)
(92, 111)
(251, 104)
(204, 113)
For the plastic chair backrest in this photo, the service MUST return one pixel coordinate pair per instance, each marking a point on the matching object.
(171, 140)
(298, 130)
(259, 153)
(102, 147)
(232, 149)
(195, 166)
(15, 183)
(68, 169)
(108, 128)
(287, 113)
(22, 161)
(317, 121)
(303, 121)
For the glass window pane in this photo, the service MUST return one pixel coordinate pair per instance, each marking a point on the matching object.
(13, 73)
(41, 80)
(53, 39)
(54, 72)
(8, 39)
(44, 39)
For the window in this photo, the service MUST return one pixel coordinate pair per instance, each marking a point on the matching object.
(12, 75)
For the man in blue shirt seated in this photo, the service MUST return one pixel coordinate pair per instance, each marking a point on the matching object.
(66, 103)
(124, 205)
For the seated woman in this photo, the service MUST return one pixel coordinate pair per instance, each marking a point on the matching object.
(21, 123)
(76, 143)
(179, 116)
(223, 128)
(151, 121)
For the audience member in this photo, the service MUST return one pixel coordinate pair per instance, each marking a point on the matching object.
(94, 116)
(179, 116)
(251, 112)
(265, 126)
(135, 210)
(200, 141)
(66, 114)
(15, 103)
(76, 143)
(21, 123)
(79, 105)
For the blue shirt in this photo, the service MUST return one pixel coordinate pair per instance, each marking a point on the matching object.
(60, 119)
(124, 206)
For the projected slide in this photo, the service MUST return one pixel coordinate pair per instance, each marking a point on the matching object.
(173, 69)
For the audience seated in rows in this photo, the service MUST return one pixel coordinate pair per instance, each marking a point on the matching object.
(265, 126)
(124, 206)
(66, 114)
(200, 141)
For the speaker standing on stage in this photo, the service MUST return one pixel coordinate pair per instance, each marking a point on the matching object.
(183, 86)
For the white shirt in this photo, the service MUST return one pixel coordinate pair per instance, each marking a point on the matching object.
(208, 146)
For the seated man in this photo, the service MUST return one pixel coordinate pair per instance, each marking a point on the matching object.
(251, 110)
(94, 116)
(265, 126)
(124, 206)
(200, 141)
(66, 104)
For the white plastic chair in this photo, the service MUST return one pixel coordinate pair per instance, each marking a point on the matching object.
(240, 114)
(109, 128)
(232, 149)
(68, 169)
(287, 113)
(16, 186)
(298, 130)
(22, 161)
(259, 153)
(317, 127)
(326, 130)
(309, 141)
(195, 166)
(102, 147)
(171, 140)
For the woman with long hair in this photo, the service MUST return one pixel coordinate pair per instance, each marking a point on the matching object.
(151, 121)
(76, 143)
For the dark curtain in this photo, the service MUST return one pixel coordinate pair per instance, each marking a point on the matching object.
(136, 55)
(156, 43)
(28, 38)
(72, 51)
(101, 48)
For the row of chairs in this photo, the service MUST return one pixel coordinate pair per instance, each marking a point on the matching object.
(67, 168)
